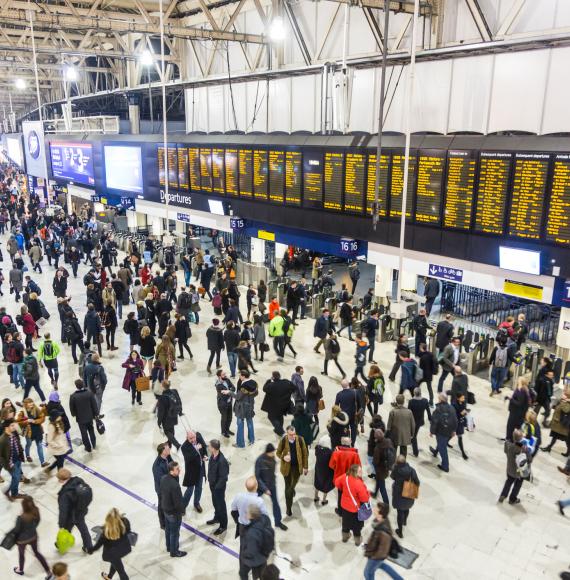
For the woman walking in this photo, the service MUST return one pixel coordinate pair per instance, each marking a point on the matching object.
(460, 406)
(314, 394)
(110, 323)
(332, 350)
(31, 419)
(259, 336)
(114, 539)
(165, 353)
(354, 494)
(518, 405)
(338, 426)
(244, 357)
(215, 341)
(375, 389)
(382, 460)
(401, 474)
(134, 366)
(559, 429)
(182, 334)
(56, 441)
(324, 475)
(148, 347)
(26, 532)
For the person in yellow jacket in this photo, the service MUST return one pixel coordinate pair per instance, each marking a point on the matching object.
(47, 355)
(277, 332)
(294, 456)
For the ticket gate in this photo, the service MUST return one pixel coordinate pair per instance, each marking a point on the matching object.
(271, 289)
(317, 305)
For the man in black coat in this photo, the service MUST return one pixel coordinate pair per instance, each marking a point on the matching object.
(168, 410)
(83, 406)
(277, 400)
(418, 405)
(71, 511)
(443, 426)
(173, 506)
(421, 326)
(293, 300)
(267, 484)
(218, 473)
(431, 292)
(350, 403)
(224, 389)
(195, 457)
(257, 541)
(443, 333)
(159, 470)
(323, 326)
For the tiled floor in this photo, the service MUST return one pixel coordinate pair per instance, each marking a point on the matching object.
(456, 526)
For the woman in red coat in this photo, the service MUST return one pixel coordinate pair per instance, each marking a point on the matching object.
(28, 325)
(135, 369)
(354, 494)
(146, 275)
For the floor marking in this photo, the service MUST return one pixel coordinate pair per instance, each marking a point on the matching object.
(153, 506)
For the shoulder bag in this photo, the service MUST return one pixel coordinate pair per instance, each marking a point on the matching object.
(410, 489)
(9, 540)
(364, 510)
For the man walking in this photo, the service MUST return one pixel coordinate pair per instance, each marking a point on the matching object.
(518, 467)
(218, 473)
(159, 470)
(277, 401)
(257, 541)
(83, 406)
(350, 402)
(420, 325)
(95, 379)
(450, 359)
(370, 328)
(47, 355)
(443, 426)
(195, 456)
(242, 502)
(401, 425)
(443, 333)
(430, 294)
(173, 506)
(265, 475)
(322, 328)
(294, 456)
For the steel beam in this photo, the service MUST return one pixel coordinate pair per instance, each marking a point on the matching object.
(479, 20)
(297, 32)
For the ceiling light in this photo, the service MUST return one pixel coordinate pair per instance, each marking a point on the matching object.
(277, 31)
(146, 58)
(20, 84)
(71, 73)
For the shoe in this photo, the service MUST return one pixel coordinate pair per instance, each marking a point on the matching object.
(514, 501)
(219, 531)
(212, 522)
(18, 571)
(357, 540)
(45, 464)
(316, 500)
(28, 459)
(25, 480)
(433, 451)
(362, 428)
(289, 513)
(444, 470)
(561, 469)
(180, 357)
(565, 454)
(8, 496)
(399, 533)
(345, 536)
(140, 402)
(209, 370)
(325, 502)
(465, 456)
(198, 508)
(18, 496)
(87, 550)
(325, 374)
(317, 351)
(502, 498)
(237, 446)
(560, 508)
(178, 554)
(1, 479)
(545, 449)
(283, 527)
(231, 432)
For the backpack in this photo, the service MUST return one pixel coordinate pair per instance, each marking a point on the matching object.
(286, 325)
(19, 319)
(217, 301)
(87, 279)
(174, 405)
(334, 347)
(267, 540)
(83, 497)
(418, 374)
(185, 301)
(378, 386)
(445, 422)
(356, 274)
(502, 336)
(48, 350)
(523, 465)
(28, 369)
(389, 458)
(12, 354)
(501, 357)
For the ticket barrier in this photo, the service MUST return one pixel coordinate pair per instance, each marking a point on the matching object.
(317, 305)
(271, 289)
(281, 293)
(477, 358)
(386, 329)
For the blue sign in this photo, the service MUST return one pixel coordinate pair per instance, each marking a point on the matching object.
(237, 223)
(95, 198)
(445, 272)
(183, 217)
(128, 202)
(566, 294)
(349, 247)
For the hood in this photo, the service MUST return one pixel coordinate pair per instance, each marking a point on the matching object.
(341, 418)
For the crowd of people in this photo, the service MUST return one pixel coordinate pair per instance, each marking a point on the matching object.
(145, 305)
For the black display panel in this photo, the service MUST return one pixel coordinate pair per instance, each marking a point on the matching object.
(206, 170)
(293, 176)
(218, 172)
(276, 176)
(334, 163)
(313, 179)
(183, 176)
(397, 185)
(260, 174)
(245, 173)
(529, 190)
(382, 184)
(558, 217)
(430, 186)
(232, 172)
(194, 166)
(492, 191)
(354, 182)
(460, 189)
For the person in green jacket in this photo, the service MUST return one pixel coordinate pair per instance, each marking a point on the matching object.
(47, 354)
(277, 331)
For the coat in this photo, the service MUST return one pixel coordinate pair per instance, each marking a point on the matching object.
(252, 542)
(193, 461)
(342, 458)
(244, 407)
(354, 492)
(171, 496)
(218, 472)
(68, 514)
(302, 454)
(114, 550)
(400, 473)
(511, 451)
(322, 327)
(164, 355)
(83, 406)
(215, 338)
(379, 542)
(379, 458)
(265, 473)
(338, 427)
(419, 407)
(324, 475)
(401, 426)
(277, 400)
(443, 334)
(56, 442)
(556, 424)
(134, 370)
(16, 279)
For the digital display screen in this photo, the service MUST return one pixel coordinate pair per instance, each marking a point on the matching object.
(172, 167)
(276, 176)
(429, 186)
(123, 168)
(206, 170)
(231, 167)
(558, 217)
(260, 174)
(218, 173)
(460, 189)
(494, 171)
(382, 184)
(73, 161)
(14, 146)
(529, 189)
(397, 185)
(334, 164)
(216, 206)
(293, 167)
(313, 179)
(526, 261)
(161, 167)
(245, 173)
(183, 177)
(354, 182)
(194, 166)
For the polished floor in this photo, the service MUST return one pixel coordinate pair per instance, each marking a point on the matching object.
(457, 527)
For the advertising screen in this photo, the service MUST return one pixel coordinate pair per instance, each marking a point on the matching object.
(123, 168)
(72, 161)
(526, 261)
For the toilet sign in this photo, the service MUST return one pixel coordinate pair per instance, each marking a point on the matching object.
(445, 272)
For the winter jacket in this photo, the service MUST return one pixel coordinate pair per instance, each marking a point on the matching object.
(302, 454)
(94, 376)
(56, 442)
(443, 420)
(244, 407)
(215, 338)
(193, 461)
(401, 426)
(171, 496)
(419, 407)
(276, 326)
(218, 472)
(338, 427)
(68, 512)
(342, 458)
(443, 334)
(556, 425)
(511, 451)
(92, 323)
(380, 457)
(379, 542)
(400, 473)
(277, 400)
(322, 327)
(83, 406)
(134, 370)
(354, 492)
(265, 472)
(114, 550)
(254, 540)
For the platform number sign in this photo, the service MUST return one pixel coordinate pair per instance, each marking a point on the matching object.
(237, 223)
(349, 247)
(566, 295)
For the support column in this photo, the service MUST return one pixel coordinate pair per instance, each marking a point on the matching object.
(383, 283)
(134, 113)
(131, 220)
(156, 226)
(257, 251)
(563, 335)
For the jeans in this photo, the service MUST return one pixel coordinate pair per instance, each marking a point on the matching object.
(279, 345)
(415, 449)
(498, 376)
(442, 442)
(275, 505)
(87, 435)
(372, 343)
(381, 487)
(565, 503)
(84, 531)
(277, 423)
(52, 369)
(195, 490)
(39, 447)
(349, 330)
(516, 484)
(16, 475)
(187, 276)
(240, 436)
(172, 532)
(119, 308)
(35, 385)
(373, 565)
(220, 509)
(17, 374)
(232, 360)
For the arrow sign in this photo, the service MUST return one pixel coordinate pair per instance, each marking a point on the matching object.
(446, 272)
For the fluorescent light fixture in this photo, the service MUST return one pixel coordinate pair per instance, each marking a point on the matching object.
(518, 260)
(277, 31)
(146, 58)
(71, 73)
(20, 84)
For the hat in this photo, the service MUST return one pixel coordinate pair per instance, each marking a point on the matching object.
(6, 320)
(269, 448)
(216, 321)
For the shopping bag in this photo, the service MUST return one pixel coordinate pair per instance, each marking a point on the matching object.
(410, 490)
(64, 541)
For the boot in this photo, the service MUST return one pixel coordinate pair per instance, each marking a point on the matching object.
(357, 540)
(345, 536)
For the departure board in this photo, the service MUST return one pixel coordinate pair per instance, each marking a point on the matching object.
(161, 166)
(494, 171)
(260, 174)
(529, 191)
(354, 182)
(194, 166)
(293, 165)
(231, 165)
(558, 221)
(460, 189)
(173, 167)
(397, 185)
(313, 179)
(183, 179)
(206, 170)
(218, 173)
(382, 184)
(430, 186)
(276, 176)
(334, 163)
(245, 173)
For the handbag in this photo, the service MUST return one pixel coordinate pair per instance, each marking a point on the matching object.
(64, 541)
(471, 398)
(321, 405)
(142, 383)
(41, 322)
(100, 338)
(100, 426)
(410, 489)
(133, 538)
(264, 347)
(364, 510)
(9, 540)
